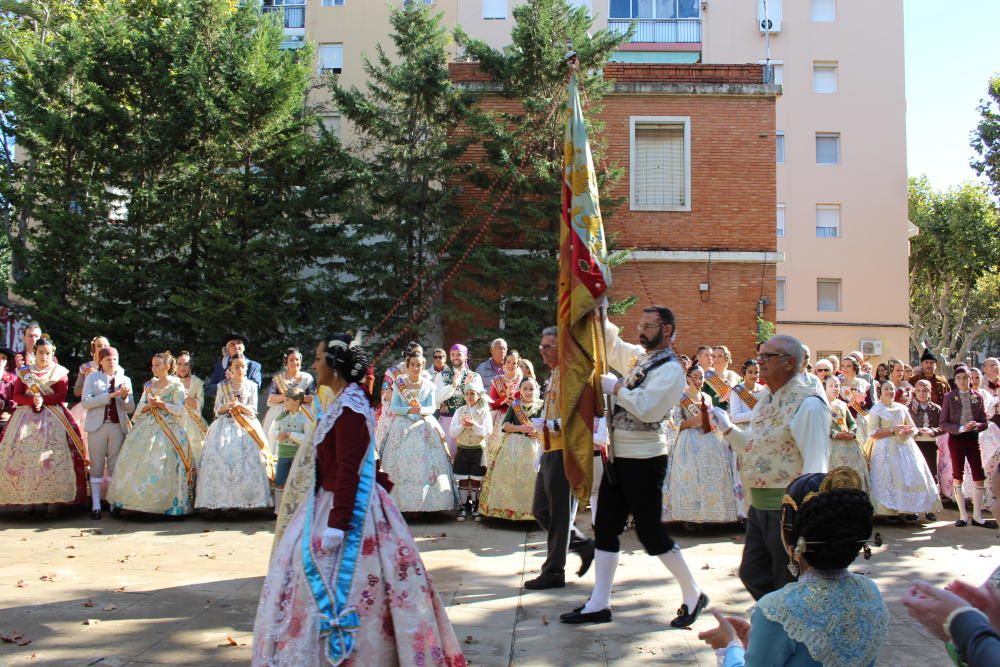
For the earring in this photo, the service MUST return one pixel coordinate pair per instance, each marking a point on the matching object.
(793, 563)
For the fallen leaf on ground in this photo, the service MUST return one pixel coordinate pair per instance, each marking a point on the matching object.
(705, 567)
(120, 589)
(469, 640)
(89, 603)
(70, 555)
(110, 607)
(21, 584)
(92, 621)
(545, 619)
(230, 642)
(15, 638)
(70, 546)
(48, 577)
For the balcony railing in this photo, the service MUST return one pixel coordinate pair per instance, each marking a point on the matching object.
(294, 15)
(662, 31)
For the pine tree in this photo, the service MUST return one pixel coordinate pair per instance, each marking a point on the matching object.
(403, 209)
(182, 185)
(524, 158)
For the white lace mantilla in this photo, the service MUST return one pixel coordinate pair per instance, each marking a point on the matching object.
(839, 617)
(352, 397)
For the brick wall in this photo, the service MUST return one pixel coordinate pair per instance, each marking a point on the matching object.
(732, 205)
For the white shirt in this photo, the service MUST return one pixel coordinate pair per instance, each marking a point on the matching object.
(651, 402)
(810, 428)
(739, 412)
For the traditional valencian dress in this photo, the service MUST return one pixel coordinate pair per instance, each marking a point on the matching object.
(78, 412)
(901, 481)
(847, 452)
(42, 453)
(370, 602)
(237, 465)
(280, 384)
(192, 421)
(831, 618)
(699, 485)
(859, 408)
(503, 392)
(509, 485)
(155, 470)
(414, 453)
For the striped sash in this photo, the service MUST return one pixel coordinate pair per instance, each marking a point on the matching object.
(197, 419)
(720, 386)
(254, 434)
(182, 452)
(748, 399)
(74, 437)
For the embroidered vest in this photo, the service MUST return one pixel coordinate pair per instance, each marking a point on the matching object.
(624, 420)
(457, 400)
(772, 459)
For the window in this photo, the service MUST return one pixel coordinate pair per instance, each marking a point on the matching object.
(779, 147)
(781, 220)
(495, 9)
(828, 295)
(779, 294)
(653, 9)
(827, 148)
(331, 58)
(824, 77)
(331, 123)
(660, 164)
(779, 73)
(332, 3)
(823, 11)
(828, 220)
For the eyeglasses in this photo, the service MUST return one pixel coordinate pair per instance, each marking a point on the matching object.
(822, 370)
(649, 327)
(764, 357)
(439, 356)
(549, 346)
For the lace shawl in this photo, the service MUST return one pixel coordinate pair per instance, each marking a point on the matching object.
(353, 398)
(839, 617)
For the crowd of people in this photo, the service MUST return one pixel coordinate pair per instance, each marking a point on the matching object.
(805, 452)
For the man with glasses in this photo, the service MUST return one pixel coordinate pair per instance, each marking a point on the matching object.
(928, 371)
(788, 436)
(927, 418)
(653, 386)
(554, 504)
(439, 362)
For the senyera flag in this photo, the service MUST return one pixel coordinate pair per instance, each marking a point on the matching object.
(584, 277)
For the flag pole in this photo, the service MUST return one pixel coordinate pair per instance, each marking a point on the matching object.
(609, 468)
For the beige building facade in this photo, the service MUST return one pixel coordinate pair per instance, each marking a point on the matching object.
(840, 144)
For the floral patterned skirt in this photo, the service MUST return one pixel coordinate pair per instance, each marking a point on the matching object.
(38, 462)
(509, 484)
(901, 480)
(402, 620)
(149, 476)
(417, 463)
(233, 472)
(849, 453)
(699, 484)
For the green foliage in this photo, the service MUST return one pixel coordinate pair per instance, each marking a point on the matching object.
(765, 330)
(402, 208)
(179, 185)
(986, 138)
(523, 156)
(954, 268)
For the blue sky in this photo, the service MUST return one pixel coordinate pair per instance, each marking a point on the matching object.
(949, 61)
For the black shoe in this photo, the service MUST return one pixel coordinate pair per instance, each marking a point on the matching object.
(910, 518)
(586, 558)
(985, 523)
(684, 619)
(544, 581)
(960, 524)
(931, 516)
(95, 515)
(116, 512)
(577, 617)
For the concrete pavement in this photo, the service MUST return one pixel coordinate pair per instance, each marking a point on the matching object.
(184, 592)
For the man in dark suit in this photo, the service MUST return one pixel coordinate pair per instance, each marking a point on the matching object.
(234, 344)
(963, 417)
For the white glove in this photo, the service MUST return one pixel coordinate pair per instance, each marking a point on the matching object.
(721, 419)
(608, 382)
(332, 539)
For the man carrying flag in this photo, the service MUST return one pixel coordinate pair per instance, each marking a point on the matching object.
(655, 381)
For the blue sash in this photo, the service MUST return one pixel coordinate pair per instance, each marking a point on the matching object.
(338, 622)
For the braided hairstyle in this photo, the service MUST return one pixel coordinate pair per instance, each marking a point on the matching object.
(834, 522)
(346, 357)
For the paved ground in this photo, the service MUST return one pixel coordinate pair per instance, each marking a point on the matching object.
(184, 592)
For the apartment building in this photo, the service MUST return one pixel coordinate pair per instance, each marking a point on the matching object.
(839, 138)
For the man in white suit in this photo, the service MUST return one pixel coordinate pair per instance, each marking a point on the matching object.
(108, 400)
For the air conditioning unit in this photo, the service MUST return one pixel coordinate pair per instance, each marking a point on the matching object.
(871, 348)
(769, 15)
